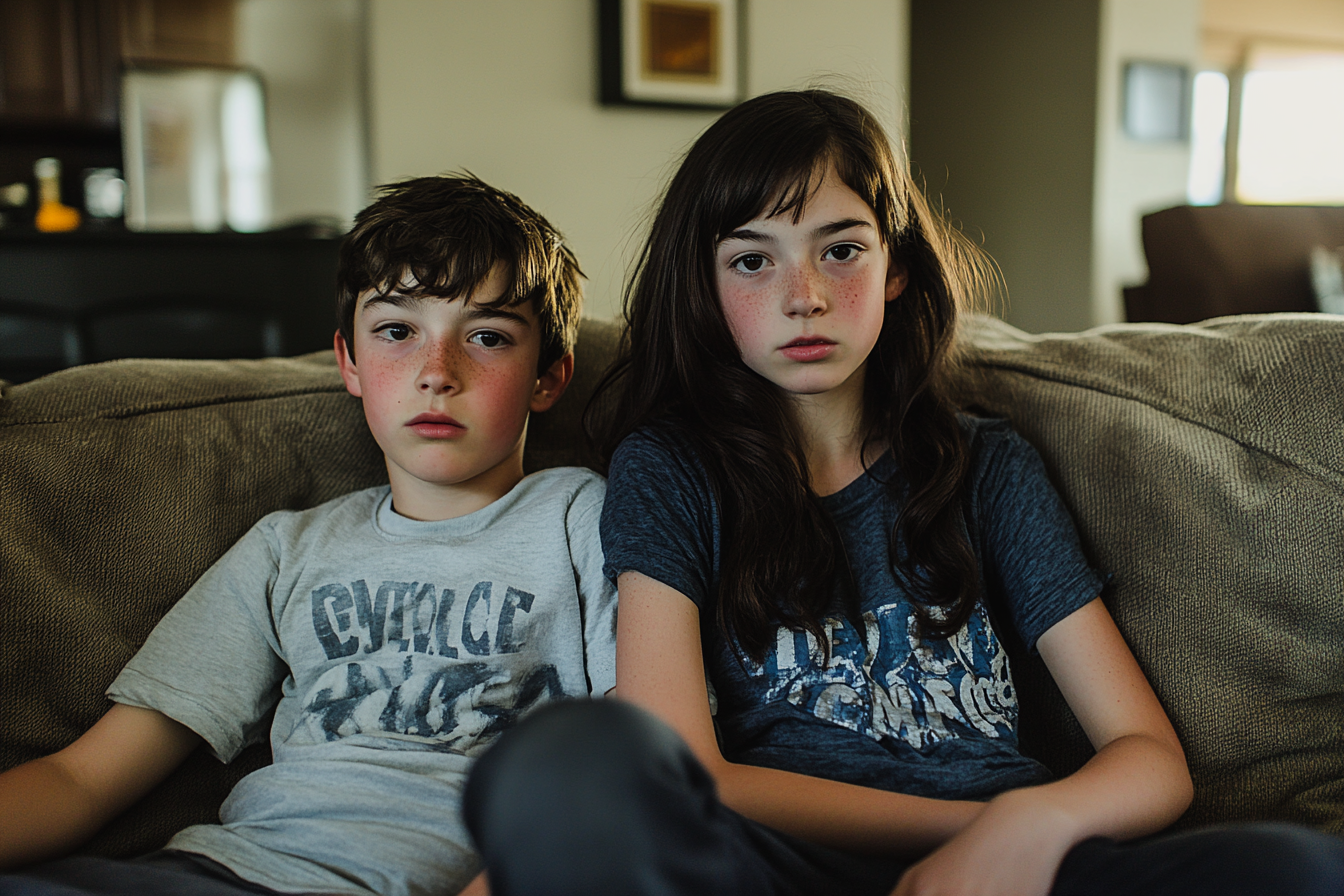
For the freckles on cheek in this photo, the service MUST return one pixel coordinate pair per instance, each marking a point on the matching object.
(746, 318)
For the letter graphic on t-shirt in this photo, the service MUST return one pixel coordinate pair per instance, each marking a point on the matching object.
(477, 615)
(333, 602)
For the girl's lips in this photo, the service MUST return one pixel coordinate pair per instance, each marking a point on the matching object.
(436, 426)
(807, 349)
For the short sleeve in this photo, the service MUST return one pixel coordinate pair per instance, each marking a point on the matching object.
(660, 518)
(597, 594)
(212, 662)
(1029, 545)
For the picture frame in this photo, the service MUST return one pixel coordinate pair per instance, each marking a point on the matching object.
(681, 53)
(1156, 102)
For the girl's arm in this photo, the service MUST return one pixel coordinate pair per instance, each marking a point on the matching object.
(51, 805)
(660, 667)
(1136, 784)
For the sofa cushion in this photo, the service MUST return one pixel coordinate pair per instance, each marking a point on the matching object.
(1204, 465)
(122, 482)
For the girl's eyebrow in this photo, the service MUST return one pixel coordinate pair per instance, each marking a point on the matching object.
(837, 226)
(821, 230)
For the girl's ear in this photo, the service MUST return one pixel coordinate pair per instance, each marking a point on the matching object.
(349, 372)
(552, 383)
(898, 278)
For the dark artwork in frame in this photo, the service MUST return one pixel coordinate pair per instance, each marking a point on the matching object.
(680, 53)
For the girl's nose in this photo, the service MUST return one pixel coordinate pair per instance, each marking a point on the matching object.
(440, 372)
(806, 297)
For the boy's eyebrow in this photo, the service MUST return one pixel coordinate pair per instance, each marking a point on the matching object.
(488, 312)
(827, 229)
(472, 312)
(395, 299)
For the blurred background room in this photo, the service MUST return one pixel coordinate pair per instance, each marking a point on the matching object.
(175, 174)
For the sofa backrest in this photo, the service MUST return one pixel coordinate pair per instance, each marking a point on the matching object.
(1204, 466)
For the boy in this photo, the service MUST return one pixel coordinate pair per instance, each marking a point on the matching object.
(397, 630)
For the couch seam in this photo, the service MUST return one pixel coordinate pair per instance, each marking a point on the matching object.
(121, 413)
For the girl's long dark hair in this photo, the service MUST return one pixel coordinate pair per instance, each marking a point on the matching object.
(782, 559)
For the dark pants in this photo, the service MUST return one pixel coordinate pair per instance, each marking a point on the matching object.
(164, 873)
(600, 797)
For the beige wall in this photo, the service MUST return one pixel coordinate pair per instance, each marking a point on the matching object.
(507, 89)
(1132, 177)
(311, 55)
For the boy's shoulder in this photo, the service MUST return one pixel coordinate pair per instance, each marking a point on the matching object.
(357, 505)
(554, 490)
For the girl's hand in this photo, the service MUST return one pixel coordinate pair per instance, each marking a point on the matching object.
(479, 886)
(1012, 849)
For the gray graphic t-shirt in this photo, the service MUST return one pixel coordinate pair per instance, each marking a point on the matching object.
(393, 652)
(888, 709)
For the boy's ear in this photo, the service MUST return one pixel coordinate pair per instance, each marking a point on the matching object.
(552, 383)
(898, 278)
(349, 372)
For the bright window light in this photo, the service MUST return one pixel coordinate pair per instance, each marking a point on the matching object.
(247, 160)
(1290, 149)
(1208, 139)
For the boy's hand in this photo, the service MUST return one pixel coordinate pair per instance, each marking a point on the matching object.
(479, 886)
(1013, 848)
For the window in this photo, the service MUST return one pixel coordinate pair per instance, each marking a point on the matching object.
(1288, 146)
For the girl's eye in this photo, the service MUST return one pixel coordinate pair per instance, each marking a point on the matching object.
(395, 332)
(489, 339)
(748, 264)
(843, 252)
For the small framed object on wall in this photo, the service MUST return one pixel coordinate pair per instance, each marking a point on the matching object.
(1156, 101)
(670, 52)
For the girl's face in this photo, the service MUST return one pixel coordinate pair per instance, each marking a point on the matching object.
(805, 301)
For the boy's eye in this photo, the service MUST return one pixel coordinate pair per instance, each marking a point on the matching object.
(489, 339)
(395, 332)
(748, 264)
(843, 252)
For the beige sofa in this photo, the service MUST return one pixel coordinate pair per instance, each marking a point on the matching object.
(1204, 464)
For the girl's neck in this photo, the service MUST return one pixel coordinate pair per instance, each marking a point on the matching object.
(831, 428)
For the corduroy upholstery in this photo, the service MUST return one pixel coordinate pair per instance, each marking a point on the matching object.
(1204, 464)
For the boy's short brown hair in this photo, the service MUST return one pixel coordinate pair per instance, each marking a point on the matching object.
(442, 236)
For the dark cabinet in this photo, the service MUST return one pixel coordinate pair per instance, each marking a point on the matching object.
(61, 60)
(74, 298)
(59, 63)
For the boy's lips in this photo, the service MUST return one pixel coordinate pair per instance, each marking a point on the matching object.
(436, 426)
(807, 348)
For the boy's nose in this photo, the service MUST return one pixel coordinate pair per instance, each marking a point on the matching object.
(440, 372)
(805, 297)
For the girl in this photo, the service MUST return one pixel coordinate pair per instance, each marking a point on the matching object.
(817, 560)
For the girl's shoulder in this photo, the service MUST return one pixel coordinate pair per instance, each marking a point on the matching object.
(1000, 458)
(991, 439)
(656, 446)
(659, 465)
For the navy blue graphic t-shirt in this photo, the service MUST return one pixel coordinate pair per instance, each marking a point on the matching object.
(888, 709)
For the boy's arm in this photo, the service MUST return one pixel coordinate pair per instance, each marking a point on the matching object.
(51, 805)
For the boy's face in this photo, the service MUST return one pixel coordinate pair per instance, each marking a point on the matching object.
(447, 385)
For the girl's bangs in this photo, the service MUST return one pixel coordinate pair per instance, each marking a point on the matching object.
(778, 181)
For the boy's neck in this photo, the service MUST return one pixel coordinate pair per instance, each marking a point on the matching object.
(429, 502)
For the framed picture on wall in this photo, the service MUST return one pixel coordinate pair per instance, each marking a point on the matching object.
(670, 52)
